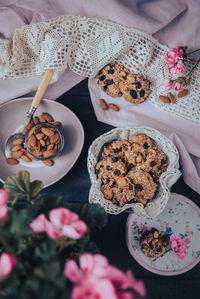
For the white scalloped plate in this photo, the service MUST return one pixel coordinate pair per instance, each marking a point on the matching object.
(180, 217)
(12, 114)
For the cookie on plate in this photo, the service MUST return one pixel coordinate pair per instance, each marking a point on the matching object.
(142, 139)
(145, 187)
(109, 78)
(153, 243)
(135, 88)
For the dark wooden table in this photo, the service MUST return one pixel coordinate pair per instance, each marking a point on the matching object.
(74, 187)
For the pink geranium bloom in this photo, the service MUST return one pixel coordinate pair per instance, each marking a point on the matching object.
(96, 269)
(4, 197)
(178, 246)
(7, 262)
(167, 84)
(178, 86)
(94, 288)
(174, 59)
(67, 223)
(63, 223)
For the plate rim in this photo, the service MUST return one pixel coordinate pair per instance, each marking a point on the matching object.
(147, 267)
(82, 133)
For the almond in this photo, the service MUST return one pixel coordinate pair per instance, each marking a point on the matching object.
(18, 141)
(31, 157)
(42, 142)
(16, 148)
(25, 158)
(182, 93)
(36, 120)
(48, 163)
(49, 153)
(47, 132)
(56, 123)
(103, 104)
(164, 99)
(28, 126)
(172, 98)
(55, 138)
(50, 147)
(32, 141)
(12, 161)
(39, 136)
(17, 154)
(114, 107)
(47, 117)
(42, 119)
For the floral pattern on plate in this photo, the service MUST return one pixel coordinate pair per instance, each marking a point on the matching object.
(180, 217)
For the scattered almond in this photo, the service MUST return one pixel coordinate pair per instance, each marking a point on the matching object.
(17, 154)
(12, 161)
(48, 162)
(18, 141)
(182, 93)
(47, 117)
(113, 107)
(164, 99)
(103, 104)
(49, 153)
(25, 158)
(172, 98)
(16, 148)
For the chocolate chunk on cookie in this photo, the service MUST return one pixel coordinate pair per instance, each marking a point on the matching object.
(135, 88)
(145, 187)
(153, 243)
(109, 78)
(124, 191)
(142, 139)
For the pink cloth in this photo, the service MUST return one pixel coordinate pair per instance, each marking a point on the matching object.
(172, 22)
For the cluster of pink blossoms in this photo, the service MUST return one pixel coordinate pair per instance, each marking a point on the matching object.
(178, 246)
(4, 196)
(96, 278)
(174, 59)
(7, 261)
(62, 223)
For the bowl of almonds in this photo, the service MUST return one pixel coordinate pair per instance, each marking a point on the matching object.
(44, 141)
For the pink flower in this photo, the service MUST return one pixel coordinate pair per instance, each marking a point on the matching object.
(4, 197)
(7, 262)
(178, 86)
(178, 246)
(167, 84)
(174, 59)
(63, 223)
(67, 223)
(95, 271)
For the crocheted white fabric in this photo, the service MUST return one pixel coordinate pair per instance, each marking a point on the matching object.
(166, 180)
(86, 45)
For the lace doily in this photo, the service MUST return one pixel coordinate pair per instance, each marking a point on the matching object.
(86, 45)
(166, 180)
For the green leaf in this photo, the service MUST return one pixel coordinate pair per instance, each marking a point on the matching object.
(95, 215)
(20, 187)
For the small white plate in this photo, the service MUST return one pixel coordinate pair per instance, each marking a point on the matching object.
(180, 217)
(12, 115)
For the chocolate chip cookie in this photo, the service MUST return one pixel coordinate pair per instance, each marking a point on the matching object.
(142, 139)
(116, 148)
(109, 78)
(153, 243)
(135, 155)
(155, 163)
(145, 187)
(110, 167)
(135, 88)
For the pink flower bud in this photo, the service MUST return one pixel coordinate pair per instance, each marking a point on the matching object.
(178, 246)
(178, 86)
(4, 197)
(7, 263)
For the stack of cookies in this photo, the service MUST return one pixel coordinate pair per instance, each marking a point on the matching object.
(116, 80)
(129, 170)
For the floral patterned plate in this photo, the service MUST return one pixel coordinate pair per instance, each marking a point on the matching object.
(180, 217)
